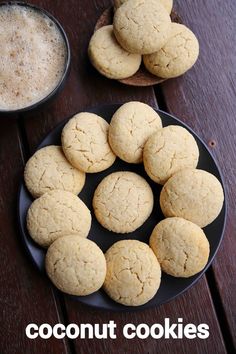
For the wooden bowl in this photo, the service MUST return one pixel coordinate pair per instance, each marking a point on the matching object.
(142, 77)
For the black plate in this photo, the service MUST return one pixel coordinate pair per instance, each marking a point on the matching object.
(170, 286)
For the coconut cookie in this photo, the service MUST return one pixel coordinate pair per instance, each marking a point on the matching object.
(142, 26)
(177, 56)
(130, 127)
(169, 150)
(118, 3)
(168, 4)
(109, 58)
(55, 214)
(48, 169)
(133, 273)
(76, 265)
(195, 195)
(180, 246)
(122, 202)
(85, 143)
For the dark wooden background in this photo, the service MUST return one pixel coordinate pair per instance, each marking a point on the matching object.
(205, 98)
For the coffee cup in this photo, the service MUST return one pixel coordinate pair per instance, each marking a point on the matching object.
(35, 57)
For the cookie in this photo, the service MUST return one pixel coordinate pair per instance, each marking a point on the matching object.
(109, 58)
(48, 169)
(195, 195)
(118, 3)
(180, 246)
(85, 143)
(142, 26)
(177, 56)
(168, 4)
(55, 214)
(122, 202)
(133, 273)
(76, 265)
(130, 127)
(169, 150)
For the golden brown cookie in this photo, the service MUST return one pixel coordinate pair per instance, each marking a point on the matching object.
(180, 246)
(177, 55)
(122, 202)
(168, 4)
(109, 58)
(48, 169)
(195, 195)
(76, 265)
(133, 273)
(169, 150)
(142, 26)
(85, 143)
(55, 214)
(130, 127)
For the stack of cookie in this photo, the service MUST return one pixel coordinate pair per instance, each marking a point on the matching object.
(130, 271)
(143, 29)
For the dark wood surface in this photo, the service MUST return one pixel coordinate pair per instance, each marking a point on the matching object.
(205, 99)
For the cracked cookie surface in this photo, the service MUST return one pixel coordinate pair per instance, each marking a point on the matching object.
(169, 150)
(48, 169)
(130, 127)
(122, 202)
(133, 273)
(180, 246)
(177, 56)
(168, 4)
(195, 195)
(75, 265)
(55, 214)
(109, 58)
(85, 143)
(142, 26)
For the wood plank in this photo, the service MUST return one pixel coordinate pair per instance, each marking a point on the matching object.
(87, 88)
(25, 295)
(205, 98)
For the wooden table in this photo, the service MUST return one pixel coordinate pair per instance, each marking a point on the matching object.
(204, 98)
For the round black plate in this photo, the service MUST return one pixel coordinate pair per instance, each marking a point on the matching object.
(170, 286)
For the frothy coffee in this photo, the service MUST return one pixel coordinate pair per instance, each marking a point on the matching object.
(32, 56)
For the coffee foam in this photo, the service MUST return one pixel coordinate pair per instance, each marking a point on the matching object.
(32, 56)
